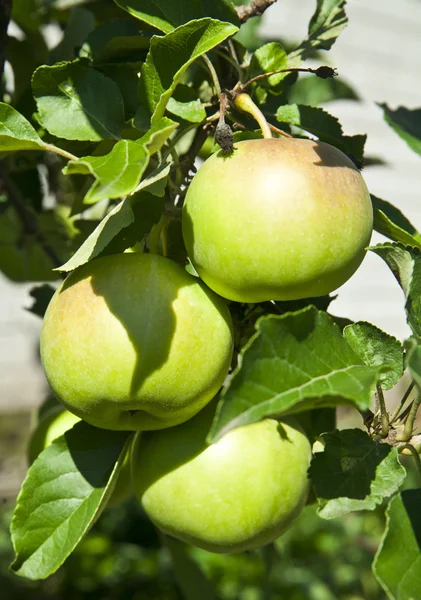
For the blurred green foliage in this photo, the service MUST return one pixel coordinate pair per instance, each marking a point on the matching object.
(122, 558)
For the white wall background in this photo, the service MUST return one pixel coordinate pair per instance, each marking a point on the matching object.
(379, 53)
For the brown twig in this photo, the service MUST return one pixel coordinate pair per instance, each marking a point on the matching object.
(254, 9)
(323, 72)
(280, 131)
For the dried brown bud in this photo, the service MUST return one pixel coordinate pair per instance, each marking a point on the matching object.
(325, 72)
(224, 137)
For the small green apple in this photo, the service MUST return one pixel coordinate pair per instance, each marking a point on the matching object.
(54, 424)
(240, 493)
(132, 342)
(279, 219)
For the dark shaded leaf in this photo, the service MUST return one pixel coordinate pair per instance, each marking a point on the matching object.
(190, 577)
(354, 472)
(390, 222)
(323, 125)
(406, 123)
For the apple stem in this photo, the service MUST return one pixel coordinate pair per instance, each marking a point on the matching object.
(245, 103)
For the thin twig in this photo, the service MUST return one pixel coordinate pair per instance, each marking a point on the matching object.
(57, 150)
(291, 70)
(277, 130)
(383, 412)
(214, 75)
(402, 402)
(409, 423)
(254, 9)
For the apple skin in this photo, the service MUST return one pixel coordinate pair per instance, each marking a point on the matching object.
(238, 494)
(279, 219)
(133, 342)
(54, 424)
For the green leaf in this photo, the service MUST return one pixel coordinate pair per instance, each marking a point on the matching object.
(122, 228)
(121, 216)
(322, 124)
(114, 41)
(170, 55)
(390, 222)
(76, 102)
(16, 133)
(158, 134)
(125, 76)
(414, 361)
(61, 495)
(354, 472)
(186, 105)
(270, 57)
(405, 264)
(397, 565)
(377, 349)
(147, 210)
(189, 575)
(406, 123)
(168, 14)
(326, 24)
(156, 182)
(117, 174)
(295, 362)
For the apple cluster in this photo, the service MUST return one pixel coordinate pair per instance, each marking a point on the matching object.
(134, 342)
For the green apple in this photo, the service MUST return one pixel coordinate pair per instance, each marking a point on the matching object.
(279, 219)
(240, 493)
(133, 342)
(54, 424)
